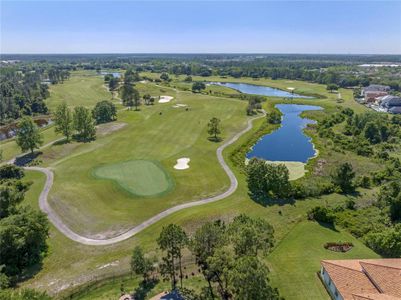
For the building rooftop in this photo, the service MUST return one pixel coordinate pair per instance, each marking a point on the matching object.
(366, 278)
(376, 88)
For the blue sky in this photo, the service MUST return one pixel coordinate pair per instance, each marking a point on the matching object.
(198, 27)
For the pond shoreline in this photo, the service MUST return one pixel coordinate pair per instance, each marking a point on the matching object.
(269, 91)
(289, 142)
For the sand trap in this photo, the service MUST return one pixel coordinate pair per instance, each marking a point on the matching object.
(296, 169)
(182, 163)
(165, 99)
(179, 105)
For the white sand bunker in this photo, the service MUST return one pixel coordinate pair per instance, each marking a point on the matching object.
(179, 105)
(165, 99)
(182, 163)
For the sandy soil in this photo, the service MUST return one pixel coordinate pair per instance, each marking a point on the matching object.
(182, 163)
(165, 99)
(108, 128)
(179, 105)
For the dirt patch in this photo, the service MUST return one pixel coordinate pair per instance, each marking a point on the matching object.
(339, 247)
(108, 128)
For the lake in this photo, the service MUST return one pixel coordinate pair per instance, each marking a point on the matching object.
(288, 143)
(115, 74)
(259, 90)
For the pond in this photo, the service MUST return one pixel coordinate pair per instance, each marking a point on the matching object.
(259, 90)
(10, 130)
(288, 143)
(115, 74)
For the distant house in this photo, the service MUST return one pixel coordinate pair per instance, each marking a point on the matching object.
(376, 88)
(371, 96)
(361, 279)
(371, 92)
(395, 110)
(389, 101)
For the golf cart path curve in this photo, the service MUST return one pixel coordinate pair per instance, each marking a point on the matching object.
(63, 228)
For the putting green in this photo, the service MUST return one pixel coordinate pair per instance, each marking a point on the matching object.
(138, 177)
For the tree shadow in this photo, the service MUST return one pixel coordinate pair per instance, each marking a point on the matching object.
(355, 194)
(214, 139)
(27, 274)
(61, 142)
(26, 159)
(330, 226)
(266, 201)
(144, 288)
(81, 139)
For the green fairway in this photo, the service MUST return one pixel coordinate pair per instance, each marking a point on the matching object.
(159, 133)
(139, 177)
(101, 208)
(83, 88)
(296, 260)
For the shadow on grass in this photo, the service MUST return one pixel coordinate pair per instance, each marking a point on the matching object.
(214, 139)
(26, 159)
(27, 274)
(61, 142)
(144, 288)
(330, 226)
(266, 201)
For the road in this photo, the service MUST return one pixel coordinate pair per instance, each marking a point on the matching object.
(63, 228)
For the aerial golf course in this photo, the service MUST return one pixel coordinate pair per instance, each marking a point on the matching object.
(126, 176)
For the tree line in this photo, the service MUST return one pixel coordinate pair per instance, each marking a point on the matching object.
(78, 123)
(24, 89)
(229, 258)
(23, 230)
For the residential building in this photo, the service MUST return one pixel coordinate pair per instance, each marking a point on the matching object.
(371, 92)
(357, 279)
(372, 96)
(376, 88)
(389, 101)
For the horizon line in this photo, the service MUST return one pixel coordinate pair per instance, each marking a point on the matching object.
(202, 53)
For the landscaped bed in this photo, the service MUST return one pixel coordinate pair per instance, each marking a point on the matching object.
(339, 247)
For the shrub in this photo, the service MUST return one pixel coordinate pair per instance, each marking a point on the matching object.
(386, 242)
(11, 172)
(321, 214)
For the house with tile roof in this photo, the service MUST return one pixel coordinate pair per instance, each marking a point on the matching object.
(361, 279)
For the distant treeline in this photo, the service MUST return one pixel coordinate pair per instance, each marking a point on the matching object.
(23, 90)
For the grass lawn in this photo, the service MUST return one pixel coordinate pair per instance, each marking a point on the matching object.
(83, 88)
(11, 149)
(138, 177)
(296, 259)
(157, 133)
(162, 133)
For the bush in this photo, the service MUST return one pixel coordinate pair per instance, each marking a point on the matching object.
(104, 111)
(386, 242)
(11, 172)
(321, 214)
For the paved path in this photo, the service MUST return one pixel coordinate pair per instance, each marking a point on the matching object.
(63, 228)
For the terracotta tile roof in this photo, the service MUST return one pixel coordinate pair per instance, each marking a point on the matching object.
(386, 277)
(374, 297)
(378, 279)
(349, 280)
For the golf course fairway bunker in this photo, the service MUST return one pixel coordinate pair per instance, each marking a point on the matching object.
(138, 177)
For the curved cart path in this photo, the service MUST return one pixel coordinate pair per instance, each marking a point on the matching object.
(63, 228)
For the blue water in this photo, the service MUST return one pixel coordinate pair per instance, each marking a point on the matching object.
(288, 143)
(115, 74)
(259, 90)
